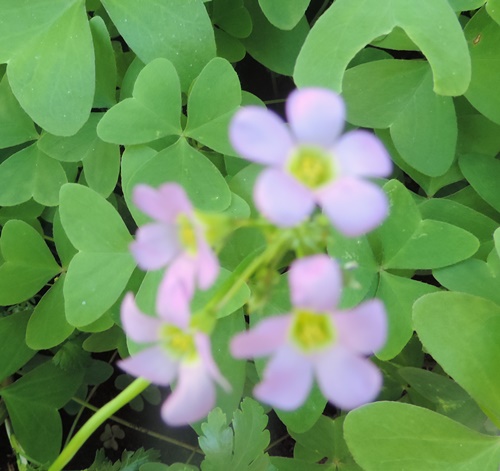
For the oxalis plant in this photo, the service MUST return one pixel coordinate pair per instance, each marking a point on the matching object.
(250, 207)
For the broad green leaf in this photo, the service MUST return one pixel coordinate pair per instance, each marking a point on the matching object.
(483, 34)
(232, 17)
(92, 223)
(16, 125)
(228, 47)
(404, 219)
(462, 333)
(51, 63)
(28, 264)
(284, 14)
(398, 94)
(274, 48)
(466, 5)
(389, 436)
(48, 326)
(13, 349)
(345, 28)
(177, 30)
(449, 398)
(399, 294)
(478, 135)
(493, 9)
(213, 99)
(434, 244)
(105, 68)
(30, 173)
(32, 402)
(65, 249)
(182, 164)
(455, 213)
(98, 274)
(482, 173)
(153, 111)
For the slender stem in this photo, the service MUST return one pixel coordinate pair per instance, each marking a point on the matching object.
(137, 428)
(104, 413)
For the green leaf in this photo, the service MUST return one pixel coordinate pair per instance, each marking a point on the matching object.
(284, 14)
(47, 326)
(32, 402)
(398, 94)
(240, 448)
(483, 34)
(50, 61)
(177, 30)
(482, 173)
(16, 125)
(345, 28)
(449, 398)
(273, 47)
(461, 332)
(434, 244)
(181, 163)
(399, 294)
(98, 274)
(106, 73)
(30, 173)
(402, 436)
(13, 349)
(232, 17)
(28, 264)
(153, 111)
(213, 99)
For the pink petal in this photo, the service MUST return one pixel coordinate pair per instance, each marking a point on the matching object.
(315, 115)
(155, 246)
(173, 300)
(315, 283)
(193, 397)
(362, 329)
(288, 378)
(361, 154)
(354, 206)
(260, 135)
(204, 349)
(207, 265)
(281, 199)
(164, 204)
(138, 326)
(347, 380)
(152, 364)
(266, 337)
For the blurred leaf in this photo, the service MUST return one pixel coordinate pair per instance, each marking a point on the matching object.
(462, 333)
(284, 14)
(402, 436)
(13, 349)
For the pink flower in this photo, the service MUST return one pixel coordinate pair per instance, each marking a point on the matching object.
(176, 238)
(310, 164)
(176, 352)
(316, 340)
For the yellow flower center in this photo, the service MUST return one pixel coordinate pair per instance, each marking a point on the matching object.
(311, 166)
(178, 343)
(187, 234)
(312, 331)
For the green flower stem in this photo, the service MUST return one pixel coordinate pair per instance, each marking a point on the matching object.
(205, 318)
(104, 413)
